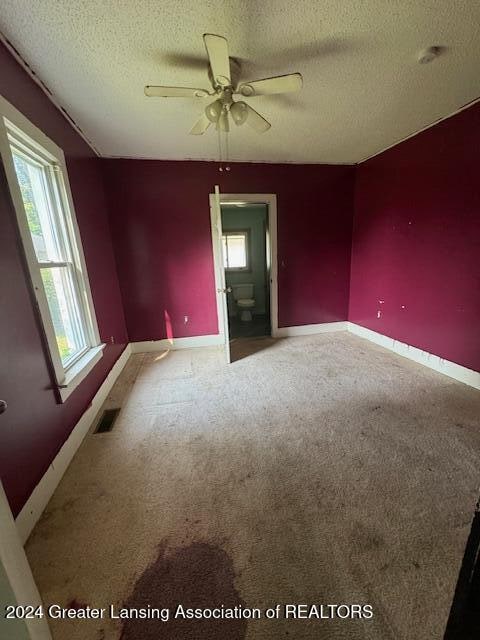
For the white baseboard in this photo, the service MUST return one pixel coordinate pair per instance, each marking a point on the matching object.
(309, 329)
(177, 343)
(38, 500)
(448, 368)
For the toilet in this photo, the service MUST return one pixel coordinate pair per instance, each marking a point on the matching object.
(243, 296)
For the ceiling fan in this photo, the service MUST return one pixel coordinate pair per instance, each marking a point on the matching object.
(223, 73)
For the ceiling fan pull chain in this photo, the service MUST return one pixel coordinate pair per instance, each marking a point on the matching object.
(223, 148)
(219, 138)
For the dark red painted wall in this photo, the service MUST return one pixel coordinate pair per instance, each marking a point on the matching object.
(416, 241)
(34, 427)
(160, 222)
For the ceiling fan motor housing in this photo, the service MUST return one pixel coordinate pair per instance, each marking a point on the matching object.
(234, 75)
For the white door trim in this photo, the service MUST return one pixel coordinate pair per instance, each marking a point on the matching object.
(270, 199)
(18, 572)
(222, 305)
(217, 267)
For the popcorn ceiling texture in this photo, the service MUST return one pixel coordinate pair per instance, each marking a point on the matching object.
(319, 469)
(364, 89)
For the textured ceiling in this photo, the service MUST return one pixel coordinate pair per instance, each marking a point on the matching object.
(363, 88)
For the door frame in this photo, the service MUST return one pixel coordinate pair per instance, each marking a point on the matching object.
(270, 199)
(18, 573)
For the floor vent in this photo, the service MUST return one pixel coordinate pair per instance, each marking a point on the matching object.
(107, 420)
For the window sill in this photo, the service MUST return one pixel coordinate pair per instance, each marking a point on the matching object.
(79, 371)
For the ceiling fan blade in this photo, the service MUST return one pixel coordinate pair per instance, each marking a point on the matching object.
(268, 86)
(256, 121)
(174, 92)
(217, 51)
(200, 126)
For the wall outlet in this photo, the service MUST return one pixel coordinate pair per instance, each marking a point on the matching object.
(112, 339)
(185, 319)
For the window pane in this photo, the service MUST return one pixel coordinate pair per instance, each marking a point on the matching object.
(237, 257)
(64, 309)
(31, 178)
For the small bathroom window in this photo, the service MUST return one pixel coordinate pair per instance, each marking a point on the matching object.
(236, 256)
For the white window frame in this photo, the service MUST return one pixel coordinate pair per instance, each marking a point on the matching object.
(15, 123)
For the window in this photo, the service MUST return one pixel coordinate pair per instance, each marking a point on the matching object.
(39, 185)
(235, 251)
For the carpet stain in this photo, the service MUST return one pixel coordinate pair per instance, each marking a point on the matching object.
(75, 604)
(200, 575)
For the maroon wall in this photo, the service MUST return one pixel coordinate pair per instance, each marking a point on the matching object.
(416, 242)
(34, 427)
(160, 222)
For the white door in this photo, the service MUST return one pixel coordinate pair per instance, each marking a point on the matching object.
(222, 289)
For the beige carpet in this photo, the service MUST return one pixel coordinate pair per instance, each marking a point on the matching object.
(320, 469)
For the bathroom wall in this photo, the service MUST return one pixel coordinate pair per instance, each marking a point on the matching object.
(254, 219)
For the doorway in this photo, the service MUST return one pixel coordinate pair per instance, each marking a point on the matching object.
(244, 236)
(244, 252)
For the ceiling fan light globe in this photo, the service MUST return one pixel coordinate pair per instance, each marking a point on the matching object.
(239, 112)
(214, 110)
